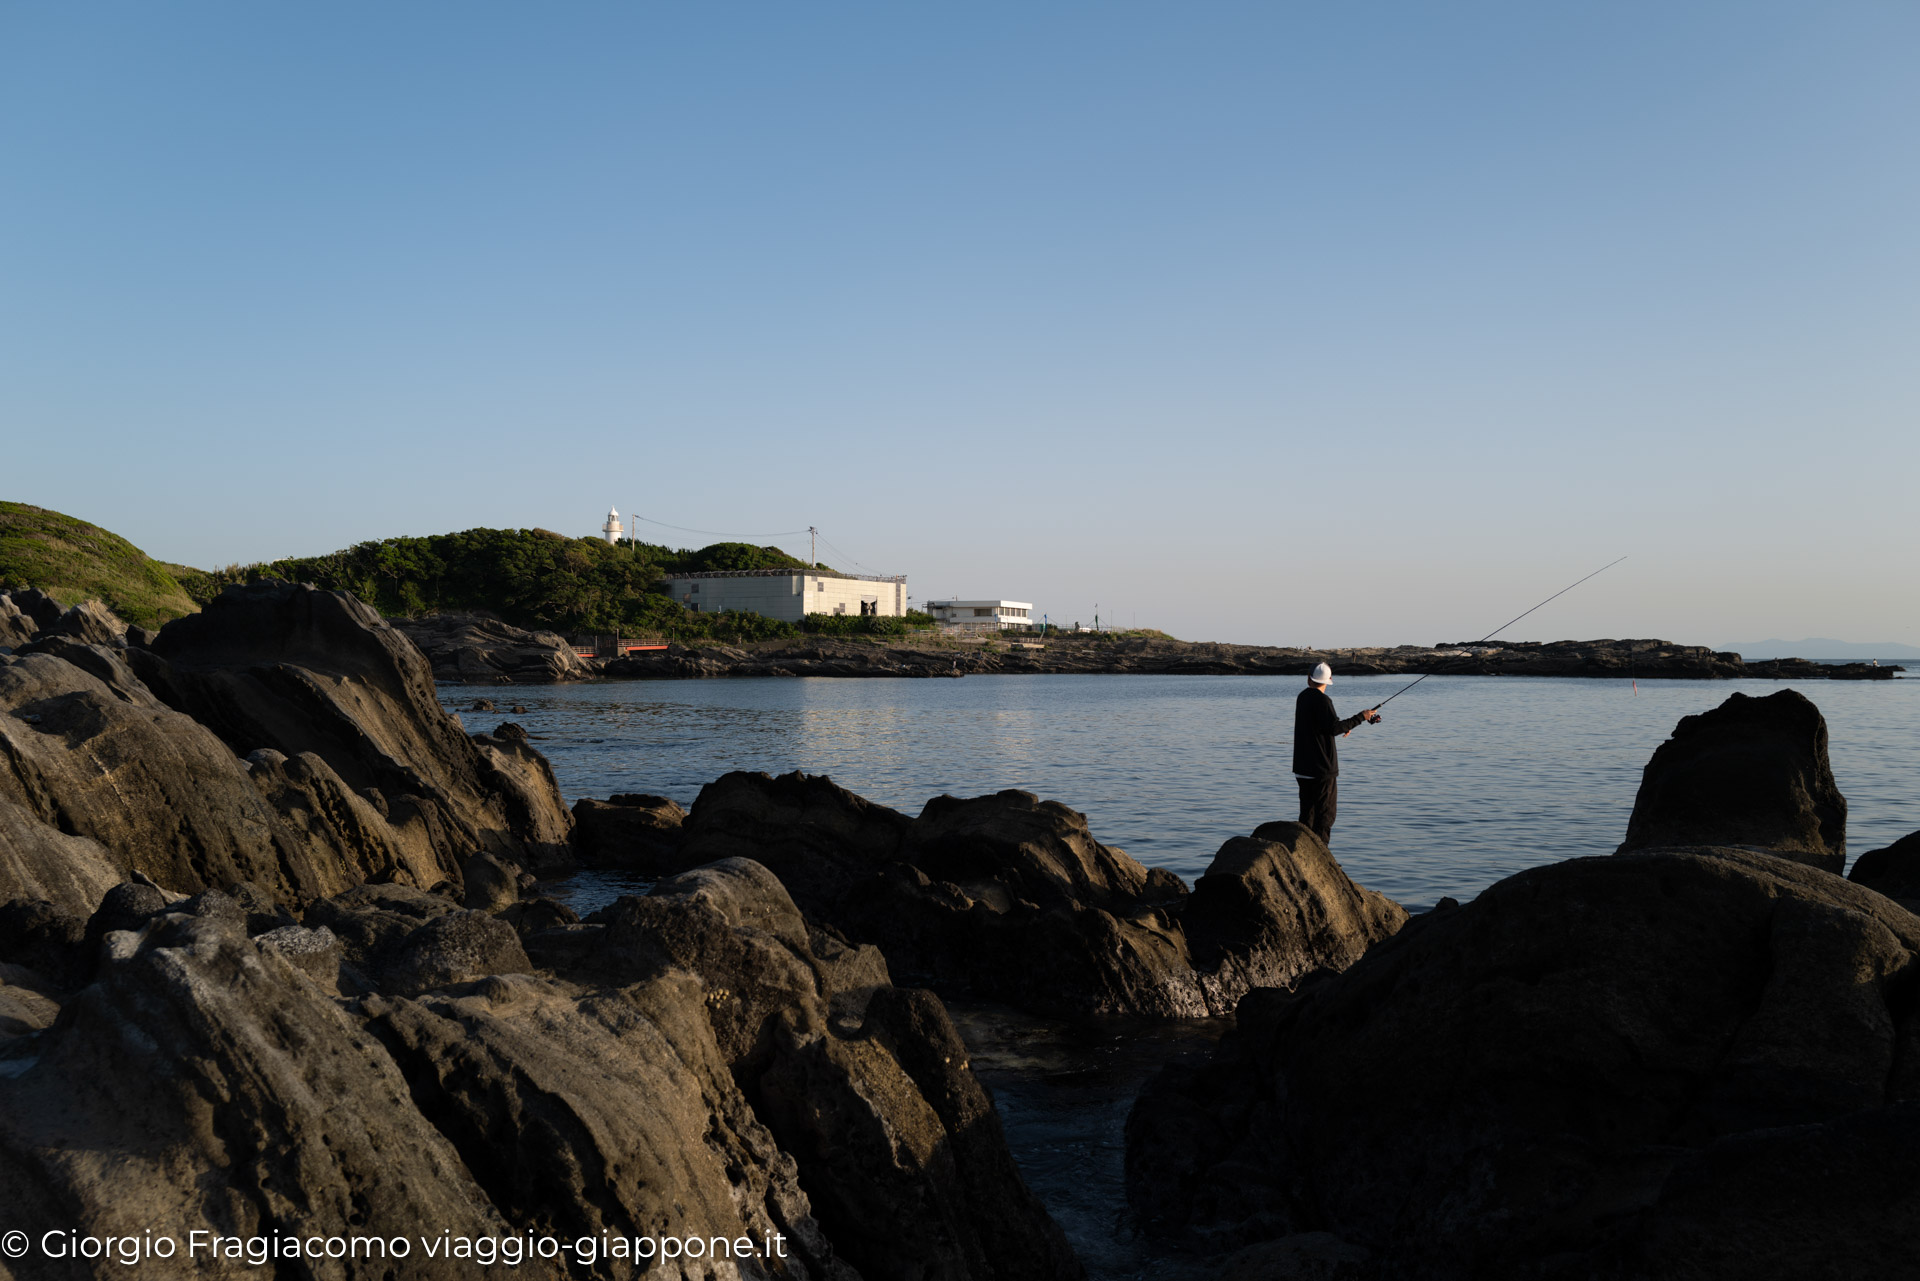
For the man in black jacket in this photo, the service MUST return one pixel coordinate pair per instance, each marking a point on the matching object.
(1316, 765)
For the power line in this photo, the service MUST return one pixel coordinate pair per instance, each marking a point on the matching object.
(778, 533)
(848, 559)
(716, 533)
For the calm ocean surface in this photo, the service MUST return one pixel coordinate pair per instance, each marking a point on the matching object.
(1467, 780)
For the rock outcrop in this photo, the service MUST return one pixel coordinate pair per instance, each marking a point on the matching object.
(1275, 907)
(24, 614)
(929, 655)
(284, 737)
(101, 779)
(1596, 1068)
(630, 831)
(474, 650)
(217, 1087)
(1009, 898)
(299, 670)
(709, 1068)
(1893, 871)
(1752, 772)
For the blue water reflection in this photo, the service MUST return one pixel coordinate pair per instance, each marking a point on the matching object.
(1468, 780)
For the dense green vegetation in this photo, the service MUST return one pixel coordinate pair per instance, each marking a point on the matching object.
(72, 561)
(856, 625)
(539, 579)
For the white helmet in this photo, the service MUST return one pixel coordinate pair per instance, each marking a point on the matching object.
(1322, 675)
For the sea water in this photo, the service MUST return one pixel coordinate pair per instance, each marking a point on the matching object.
(1468, 780)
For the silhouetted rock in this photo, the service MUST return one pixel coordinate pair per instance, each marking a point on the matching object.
(630, 831)
(1539, 1075)
(1751, 772)
(472, 650)
(1274, 907)
(1893, 871)
(1009, 898)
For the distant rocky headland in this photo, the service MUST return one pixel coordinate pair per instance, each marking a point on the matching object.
(274, 964)
(476, 649)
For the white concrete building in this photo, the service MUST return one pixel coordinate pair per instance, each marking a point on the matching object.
(611, 530)
(790, 594)
(983, 615)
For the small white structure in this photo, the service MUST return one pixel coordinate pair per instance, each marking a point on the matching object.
(983, 615)
(790, 594)
(612, 528)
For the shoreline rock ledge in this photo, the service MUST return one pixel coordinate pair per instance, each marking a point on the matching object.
(1009, 898)
(1695, 1062)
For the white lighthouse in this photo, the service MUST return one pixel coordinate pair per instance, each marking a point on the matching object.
(612, 528)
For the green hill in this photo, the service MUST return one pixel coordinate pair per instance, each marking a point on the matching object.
(73, 561)
(528, 577)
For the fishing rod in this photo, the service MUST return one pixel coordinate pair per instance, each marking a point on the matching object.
(1503, 627)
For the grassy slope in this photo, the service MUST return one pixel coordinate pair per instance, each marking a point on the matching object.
(73, 561)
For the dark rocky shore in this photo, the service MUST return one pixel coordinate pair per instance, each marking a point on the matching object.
(273, 963)
(1640, 659)
(471, 650)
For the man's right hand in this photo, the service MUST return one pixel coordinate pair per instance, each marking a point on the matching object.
(1371, 715)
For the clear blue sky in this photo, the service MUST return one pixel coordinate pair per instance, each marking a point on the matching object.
(1295, 323)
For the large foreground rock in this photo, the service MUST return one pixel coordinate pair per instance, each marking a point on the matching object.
(1010, 898)
(474, 650)
(103, 780)
(298, 670)
(699, 1063)
(1693, 1063)
(205, 1083)
(1753, 772)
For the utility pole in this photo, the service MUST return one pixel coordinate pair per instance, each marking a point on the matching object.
(813, 550)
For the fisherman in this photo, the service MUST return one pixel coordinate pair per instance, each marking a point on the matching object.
(1316, 765)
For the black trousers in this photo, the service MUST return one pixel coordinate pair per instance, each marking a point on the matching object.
(1317, 797)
